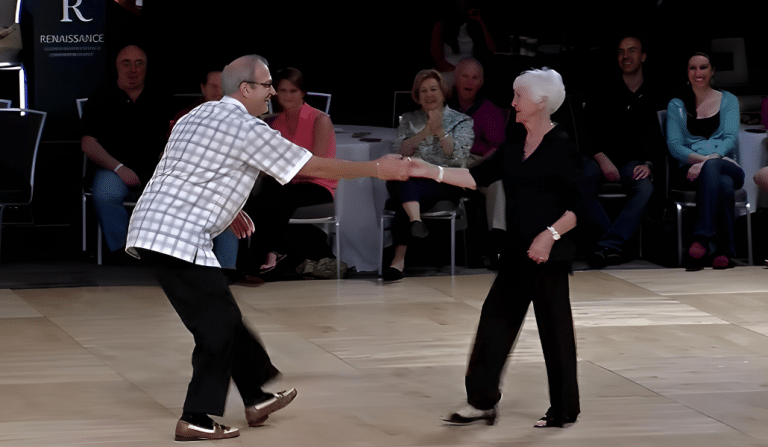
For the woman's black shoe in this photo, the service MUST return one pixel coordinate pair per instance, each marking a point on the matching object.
(419, 229)
(392, 274)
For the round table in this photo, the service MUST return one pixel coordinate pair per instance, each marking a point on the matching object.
(753, 155)
(360, 202)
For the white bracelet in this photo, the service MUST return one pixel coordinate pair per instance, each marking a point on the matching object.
(118, 167)
(440, 175)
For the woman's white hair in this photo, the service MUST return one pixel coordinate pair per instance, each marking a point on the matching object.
(543, 85)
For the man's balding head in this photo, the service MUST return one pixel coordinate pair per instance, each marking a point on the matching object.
(469, 79)
(470, 64)
(239, 70)
(247, 80)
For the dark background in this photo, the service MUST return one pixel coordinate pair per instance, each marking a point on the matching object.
(361, 52)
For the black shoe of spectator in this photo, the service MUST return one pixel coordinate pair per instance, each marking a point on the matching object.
(491, 262)
(612, 256)
(392, 274)
(419, 229)
(605, 256)
(597, 259)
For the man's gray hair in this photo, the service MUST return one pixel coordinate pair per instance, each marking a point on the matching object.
(239, 70)
(545, 84)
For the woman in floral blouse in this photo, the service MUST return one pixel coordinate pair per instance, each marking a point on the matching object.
(436, 134)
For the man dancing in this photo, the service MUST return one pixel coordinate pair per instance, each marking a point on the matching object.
(209, 166)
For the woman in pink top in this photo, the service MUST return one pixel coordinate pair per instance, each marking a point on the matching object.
(275, 204)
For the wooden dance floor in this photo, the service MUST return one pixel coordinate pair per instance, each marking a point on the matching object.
(666, 358)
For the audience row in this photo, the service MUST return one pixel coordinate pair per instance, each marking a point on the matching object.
(126, 125)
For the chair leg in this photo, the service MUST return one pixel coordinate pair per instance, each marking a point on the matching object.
(338, 250)
(464, 240)
(381, 245)
(749, 235)
(679, 234)
(2, 208)
(98, 244)
(453, 244)
(85, 247)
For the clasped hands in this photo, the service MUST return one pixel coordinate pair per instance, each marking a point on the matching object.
(397, 167)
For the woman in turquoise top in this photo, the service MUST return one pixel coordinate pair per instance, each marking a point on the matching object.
(702, 135)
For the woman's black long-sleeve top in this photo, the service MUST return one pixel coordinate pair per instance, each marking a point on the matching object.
(539, 190)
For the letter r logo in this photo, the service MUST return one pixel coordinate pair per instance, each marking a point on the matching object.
(67, 7)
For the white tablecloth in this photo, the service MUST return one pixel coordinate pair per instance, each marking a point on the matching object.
(360, 202)
(753, 155)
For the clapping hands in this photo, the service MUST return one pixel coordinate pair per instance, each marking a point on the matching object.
(435, 122)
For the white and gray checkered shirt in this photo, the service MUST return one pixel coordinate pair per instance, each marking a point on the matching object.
(204, 177)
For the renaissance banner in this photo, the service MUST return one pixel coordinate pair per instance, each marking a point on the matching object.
(67, 39)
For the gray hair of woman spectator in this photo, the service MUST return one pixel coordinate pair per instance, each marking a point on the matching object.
(422, 76)
(234, 74)
(543, 85)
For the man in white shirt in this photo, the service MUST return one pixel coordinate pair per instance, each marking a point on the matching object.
(209, 166)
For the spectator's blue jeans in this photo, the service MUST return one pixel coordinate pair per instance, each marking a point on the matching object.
(109, 193)
(715, 200)
(639, 194)
(225, 248)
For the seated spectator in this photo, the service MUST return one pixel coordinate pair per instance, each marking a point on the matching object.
(124, 129)
(274, 205)
(210, 87)
(436, 134)
(702, 133)
(490, 122)
(624, 133)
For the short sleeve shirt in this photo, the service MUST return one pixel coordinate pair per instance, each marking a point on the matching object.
(204, 177)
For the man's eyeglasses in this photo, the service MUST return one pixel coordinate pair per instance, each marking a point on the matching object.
(263, 84)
